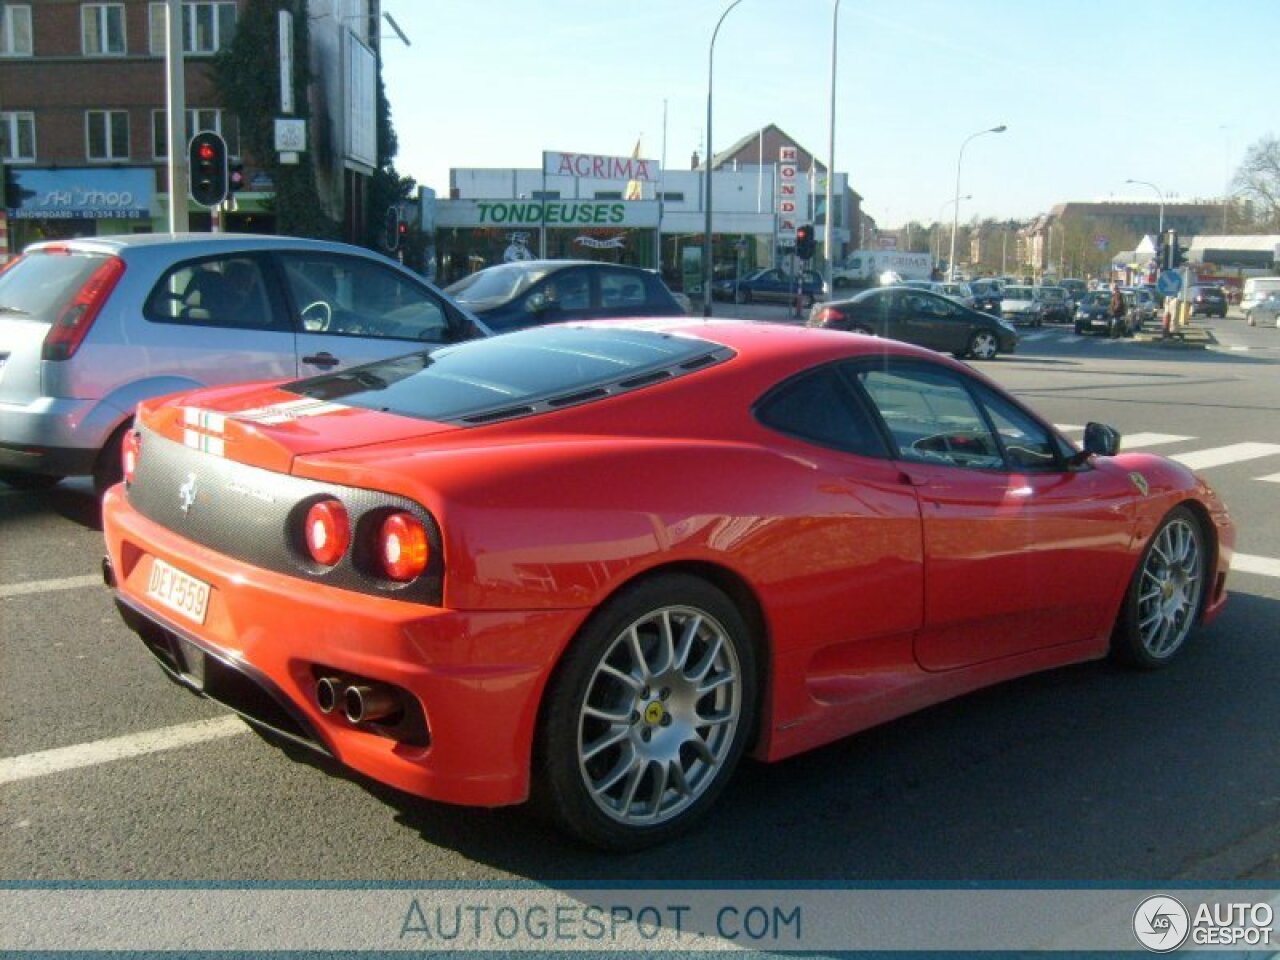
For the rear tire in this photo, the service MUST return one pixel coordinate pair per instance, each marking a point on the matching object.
(108, 470)
(647, 714)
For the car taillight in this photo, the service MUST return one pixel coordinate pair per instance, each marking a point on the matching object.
(402, 547)
(328, 532)
(826, 315)
(130, 451)
(69, 329)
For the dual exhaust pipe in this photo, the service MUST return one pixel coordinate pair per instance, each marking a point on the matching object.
(361, 701)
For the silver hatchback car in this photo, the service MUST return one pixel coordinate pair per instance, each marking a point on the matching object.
(90, 327)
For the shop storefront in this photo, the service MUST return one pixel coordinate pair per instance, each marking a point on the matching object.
(78, 202)
(472, 234)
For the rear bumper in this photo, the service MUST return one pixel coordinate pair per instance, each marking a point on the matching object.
(475, 678)
(54, 436)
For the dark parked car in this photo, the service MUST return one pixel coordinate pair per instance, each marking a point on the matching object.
(1057, 304)
(529, 292)
(1093, 315)
(1208, 302)
(920, 317)
(770, 284)
(987, 296)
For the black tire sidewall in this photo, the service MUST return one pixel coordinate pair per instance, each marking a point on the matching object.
(558, 787)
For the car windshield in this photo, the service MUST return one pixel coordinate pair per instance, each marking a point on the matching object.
(1019, 293)
(530, 371)
(497, 283)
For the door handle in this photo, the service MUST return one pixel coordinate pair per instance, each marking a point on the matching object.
(324, 360)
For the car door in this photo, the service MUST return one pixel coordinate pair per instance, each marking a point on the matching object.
(349, 310)
(1022, 550)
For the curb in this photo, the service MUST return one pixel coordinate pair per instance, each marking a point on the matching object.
(1192, 338)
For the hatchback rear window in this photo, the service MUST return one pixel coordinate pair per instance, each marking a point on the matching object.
(517, 374)
(40, 284)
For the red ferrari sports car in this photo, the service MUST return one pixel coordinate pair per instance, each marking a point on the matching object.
(597, 563)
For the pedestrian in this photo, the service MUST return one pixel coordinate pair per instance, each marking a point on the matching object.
(1117, 311)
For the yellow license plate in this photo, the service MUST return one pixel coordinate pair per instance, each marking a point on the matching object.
(178, 591)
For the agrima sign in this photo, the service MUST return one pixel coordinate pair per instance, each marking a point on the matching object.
(591, 166)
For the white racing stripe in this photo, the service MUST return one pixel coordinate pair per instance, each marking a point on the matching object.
(46, 762)
(1220, 456)
(1248, 563)
(48, 586)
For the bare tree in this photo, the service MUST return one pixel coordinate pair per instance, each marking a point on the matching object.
(1258, 180)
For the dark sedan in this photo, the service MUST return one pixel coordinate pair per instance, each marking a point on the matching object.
(920, 317)
(771, 284)
(1208, 302)
(530, 292)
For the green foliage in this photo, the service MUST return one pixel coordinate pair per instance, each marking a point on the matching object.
(247, 76)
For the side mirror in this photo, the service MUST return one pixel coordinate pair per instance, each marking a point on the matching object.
(1101, 440)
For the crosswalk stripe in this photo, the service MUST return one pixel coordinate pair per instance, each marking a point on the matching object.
(1248, 563)
(47, 586)
(1274, 478)
(1129, 441)
(1220, 456)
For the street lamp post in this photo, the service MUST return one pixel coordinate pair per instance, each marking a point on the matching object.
(955, 216)
(706, 239)
(828, 232)
(937, 221)
(1159, 194)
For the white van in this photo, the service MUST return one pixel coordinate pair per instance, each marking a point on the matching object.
(1256, 290)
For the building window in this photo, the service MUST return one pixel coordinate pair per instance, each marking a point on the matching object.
(206, 27)
(17, 137)
(673, 197)
(197, 120)
(107, 134)
(102, 29)
(544, 195)
(15, 30)
(608, 195)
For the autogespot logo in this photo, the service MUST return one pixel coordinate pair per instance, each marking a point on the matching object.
(1161, 924)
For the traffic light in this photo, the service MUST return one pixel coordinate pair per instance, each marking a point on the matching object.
(1162, 254)
(235, 176)
(804, 241)
(1169, 259)
(207, 157)
(395, 228)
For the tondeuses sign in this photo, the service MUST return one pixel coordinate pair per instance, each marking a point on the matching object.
(551, 213)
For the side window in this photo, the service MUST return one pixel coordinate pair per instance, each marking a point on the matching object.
(360, 298)
(932, 417)
(622, 291)
(819, 407)
(569, 290)
(221, 292)
(1028, 446)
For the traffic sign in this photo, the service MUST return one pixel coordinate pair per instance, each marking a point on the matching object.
(1169, 282)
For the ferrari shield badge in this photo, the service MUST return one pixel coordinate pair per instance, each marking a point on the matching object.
(1140, 482)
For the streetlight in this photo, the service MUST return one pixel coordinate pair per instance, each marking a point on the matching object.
(1159, 194)
(955, 216)
(936, 219)
(828, 232)
(706, 239)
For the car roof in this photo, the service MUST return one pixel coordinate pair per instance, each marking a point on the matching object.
(550, 265)
(189, 244)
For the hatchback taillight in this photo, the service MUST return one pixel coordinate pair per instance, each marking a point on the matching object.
(328, 532)
(130, 451)
(402, 547)
(826, 315)
(73, 323)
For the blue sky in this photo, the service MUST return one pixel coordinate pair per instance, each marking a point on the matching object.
(1092, 92)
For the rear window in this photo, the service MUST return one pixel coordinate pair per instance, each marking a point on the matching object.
(38, 285)
(517, 374)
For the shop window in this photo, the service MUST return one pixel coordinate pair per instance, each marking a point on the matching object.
(15, 30)
(102, 29)
(608, 195)
(107, 134)
(17, 137)
(676, 196)
(206, 27)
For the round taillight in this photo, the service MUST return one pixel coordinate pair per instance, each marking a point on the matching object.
(402, 547)
(328, 532)
(130, 450)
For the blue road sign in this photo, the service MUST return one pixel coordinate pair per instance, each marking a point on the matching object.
(1169, 282)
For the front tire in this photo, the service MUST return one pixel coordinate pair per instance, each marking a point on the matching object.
(648, 714)
(983, 345)
(1164, 598)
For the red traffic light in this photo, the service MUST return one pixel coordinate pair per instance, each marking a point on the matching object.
(207, 158)
(207, 152)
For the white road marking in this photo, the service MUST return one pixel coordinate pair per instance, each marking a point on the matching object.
(46, 762)
(1248, 563)
(1150, 440)
(48, 586)
(1274, 478)
(1220, 456)
(1070, 427)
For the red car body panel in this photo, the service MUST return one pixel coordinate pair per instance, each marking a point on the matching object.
(878, 587)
